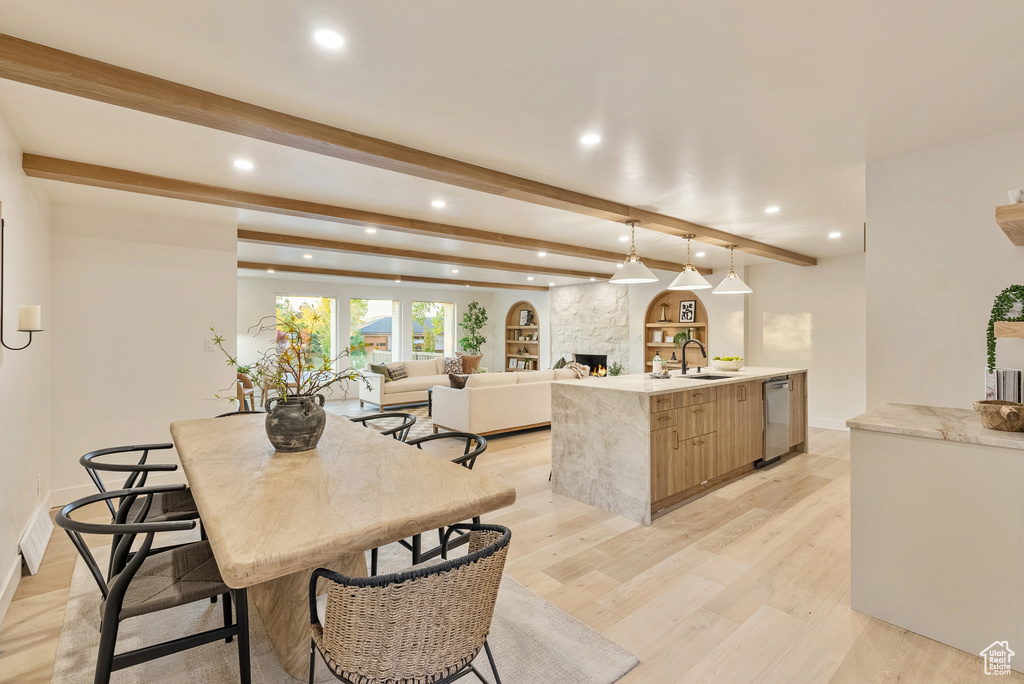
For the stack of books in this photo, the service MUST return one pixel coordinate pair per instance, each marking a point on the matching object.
(1004, 384)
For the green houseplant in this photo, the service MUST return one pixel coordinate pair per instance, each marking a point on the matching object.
(296, 378)
(473, 321)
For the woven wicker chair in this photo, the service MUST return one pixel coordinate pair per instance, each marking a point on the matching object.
(421, 626)
(474, 446)
(149, 580)
(399, 432)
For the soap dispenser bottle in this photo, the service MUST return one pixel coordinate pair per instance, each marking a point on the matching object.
(657, 364)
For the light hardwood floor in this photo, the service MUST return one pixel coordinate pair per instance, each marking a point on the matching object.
(748, 584)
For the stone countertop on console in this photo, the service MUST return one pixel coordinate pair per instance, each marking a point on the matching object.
(933, 422)
(645, 384)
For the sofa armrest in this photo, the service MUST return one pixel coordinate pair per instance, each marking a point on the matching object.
(451, 407)
(373, 389)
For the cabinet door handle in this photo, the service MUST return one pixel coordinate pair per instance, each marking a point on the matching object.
(676, 434)
(664, 417)
(743, 392)
(698, 443)
(700, 410)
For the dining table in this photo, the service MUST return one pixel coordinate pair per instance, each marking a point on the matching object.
(272, 518)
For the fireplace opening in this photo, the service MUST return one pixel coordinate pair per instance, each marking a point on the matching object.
(598, 363)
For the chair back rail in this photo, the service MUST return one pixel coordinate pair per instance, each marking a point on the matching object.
(137, 472)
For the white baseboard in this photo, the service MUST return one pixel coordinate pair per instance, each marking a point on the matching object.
(828, 424)
(61, 497)
(10, 585)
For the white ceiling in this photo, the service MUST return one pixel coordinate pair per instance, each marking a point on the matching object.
(709, 111)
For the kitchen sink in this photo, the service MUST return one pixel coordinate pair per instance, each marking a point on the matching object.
(706, 376)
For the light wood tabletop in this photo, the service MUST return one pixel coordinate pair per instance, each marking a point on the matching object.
(272, 518)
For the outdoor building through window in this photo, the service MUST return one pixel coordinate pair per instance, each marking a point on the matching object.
(314, 317)
(433, 330)
(373, 330)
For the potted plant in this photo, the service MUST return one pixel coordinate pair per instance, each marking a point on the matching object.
(473, 321)
(296, 379)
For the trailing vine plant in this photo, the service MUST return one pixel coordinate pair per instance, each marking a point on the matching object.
(1001, 309)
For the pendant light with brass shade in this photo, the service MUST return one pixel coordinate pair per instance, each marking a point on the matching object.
(633, 270)
(690, 278)
(732, 283)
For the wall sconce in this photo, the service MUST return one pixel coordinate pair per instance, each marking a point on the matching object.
(29, 317)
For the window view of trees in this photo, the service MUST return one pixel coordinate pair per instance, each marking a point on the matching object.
(433, 329)
(312, 316)
(372, 326)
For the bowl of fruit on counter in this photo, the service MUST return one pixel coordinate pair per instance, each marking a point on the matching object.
(727, 363)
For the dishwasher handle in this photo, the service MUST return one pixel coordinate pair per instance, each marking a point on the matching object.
(776, 383)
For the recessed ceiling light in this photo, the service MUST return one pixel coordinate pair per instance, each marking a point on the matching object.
(467, 286)
(397, 280)
(771, 210)
(593, 279)
(542, 254)
(835, 234)
(438, 204)
(591, 138)
(270, 270)
(371, 230)
(455, 270)
(244, 165)
(529, 277)
(699, 254)
(618, 265)
(624, 238)
(307, 256)
(329, 38)
(551, 284)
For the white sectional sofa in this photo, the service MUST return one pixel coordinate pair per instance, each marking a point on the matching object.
(409, 390)
(497, 402)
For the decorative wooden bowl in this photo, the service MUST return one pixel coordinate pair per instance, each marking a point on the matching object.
(1007, 416)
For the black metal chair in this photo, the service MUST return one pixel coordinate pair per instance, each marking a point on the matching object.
(149, 580)
(170, 506)
(425, 624)
(474, 446)
(399, 432)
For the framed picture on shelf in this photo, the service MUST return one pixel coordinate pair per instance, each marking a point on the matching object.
(687, 311)
(511, 364)
(525, 316)
(658, 336)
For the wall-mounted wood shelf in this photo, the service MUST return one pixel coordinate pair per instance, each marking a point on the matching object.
(672, 298)
(1008, 329)
(512, 346)
(1010, 218)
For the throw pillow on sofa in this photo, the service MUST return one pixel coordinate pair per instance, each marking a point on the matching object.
(453, 365)
(470, 364)
(457, 381)
(560, 363)
(398, 372)
(381, 369)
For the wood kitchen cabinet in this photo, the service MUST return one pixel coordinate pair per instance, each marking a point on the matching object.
(798, 409)
(679, 463)
(740, 426)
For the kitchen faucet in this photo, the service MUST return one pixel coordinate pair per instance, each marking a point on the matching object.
(683, 354)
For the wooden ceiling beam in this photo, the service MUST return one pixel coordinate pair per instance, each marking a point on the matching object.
(94, 175)
(315, 270)
(247, 235)
(47, 67)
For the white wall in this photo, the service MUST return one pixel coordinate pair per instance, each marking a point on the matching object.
(813, 317)
(936, 261)
(24, 375)
(257, 295)
(134, 298)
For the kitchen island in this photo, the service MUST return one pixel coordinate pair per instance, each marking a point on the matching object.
(637, 446)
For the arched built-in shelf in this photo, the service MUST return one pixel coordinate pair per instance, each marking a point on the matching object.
(520, 351)
(667, 304)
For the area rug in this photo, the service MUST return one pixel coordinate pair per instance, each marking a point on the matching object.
(532, 640)
(422, 427)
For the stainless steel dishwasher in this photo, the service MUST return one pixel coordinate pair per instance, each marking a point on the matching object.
(776, 420)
